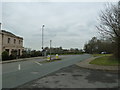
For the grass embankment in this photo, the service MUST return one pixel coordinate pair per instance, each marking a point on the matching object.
(106, 60)
(96, 55)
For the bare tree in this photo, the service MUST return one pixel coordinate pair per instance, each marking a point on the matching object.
(109, 25)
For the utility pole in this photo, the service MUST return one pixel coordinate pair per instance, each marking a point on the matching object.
(50, 48)
(42, 39)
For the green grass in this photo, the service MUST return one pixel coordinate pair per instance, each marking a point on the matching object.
(95, 55)
(105, 61)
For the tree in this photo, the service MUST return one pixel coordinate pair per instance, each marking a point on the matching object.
(5, 55)
(109, 25)
(13, 54)
(25, 54)
(35, 53)
(91, 46)
(98, 45)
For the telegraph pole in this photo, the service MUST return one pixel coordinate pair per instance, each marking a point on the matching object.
(42, 39)
(50, 48)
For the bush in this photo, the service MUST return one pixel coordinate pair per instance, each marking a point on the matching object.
(35, 53)
(25, 55)
(5, 55)
(12, 56)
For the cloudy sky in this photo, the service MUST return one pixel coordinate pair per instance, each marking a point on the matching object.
(67, 24)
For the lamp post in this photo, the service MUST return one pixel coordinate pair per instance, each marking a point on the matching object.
(42, 39)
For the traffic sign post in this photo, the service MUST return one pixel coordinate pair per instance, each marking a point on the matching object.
(57, 56)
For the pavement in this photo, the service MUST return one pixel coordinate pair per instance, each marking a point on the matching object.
(79, 75)
(19, 60)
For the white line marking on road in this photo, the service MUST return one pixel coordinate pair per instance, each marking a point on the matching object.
(37, 63)
(19, 67)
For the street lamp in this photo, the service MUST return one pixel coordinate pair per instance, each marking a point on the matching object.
(42, 39)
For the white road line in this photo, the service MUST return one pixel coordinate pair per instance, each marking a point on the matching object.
(19, 67)
(38, 63)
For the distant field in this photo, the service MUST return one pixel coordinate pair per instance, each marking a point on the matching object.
(106, 60)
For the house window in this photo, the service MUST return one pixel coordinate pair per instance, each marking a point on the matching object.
(19, 41)
(7, 50)
(8, 40)
(14, 41)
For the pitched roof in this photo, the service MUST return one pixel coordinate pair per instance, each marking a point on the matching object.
(11, 34)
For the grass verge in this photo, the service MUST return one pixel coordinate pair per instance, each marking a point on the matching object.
(106, 61)
(96, 55)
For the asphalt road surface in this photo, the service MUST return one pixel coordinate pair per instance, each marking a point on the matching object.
(75, 77)
(18, 73)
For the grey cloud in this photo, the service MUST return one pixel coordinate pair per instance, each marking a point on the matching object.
(66, 24)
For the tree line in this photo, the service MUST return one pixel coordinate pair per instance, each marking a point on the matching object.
(61, 51)
(27, 53)
(97, 46)
(109, 28)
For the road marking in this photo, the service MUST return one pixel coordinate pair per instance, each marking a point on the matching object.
(19, 67)
(38, 63)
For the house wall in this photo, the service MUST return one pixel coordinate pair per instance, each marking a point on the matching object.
(0, 44)
(18, 45)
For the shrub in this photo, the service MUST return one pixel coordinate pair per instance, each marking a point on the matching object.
(35, 53)
(12, 56)
(5, 55)
(25, 55)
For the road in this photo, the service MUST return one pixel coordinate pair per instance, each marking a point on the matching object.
(76, 77)
(18, 73)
